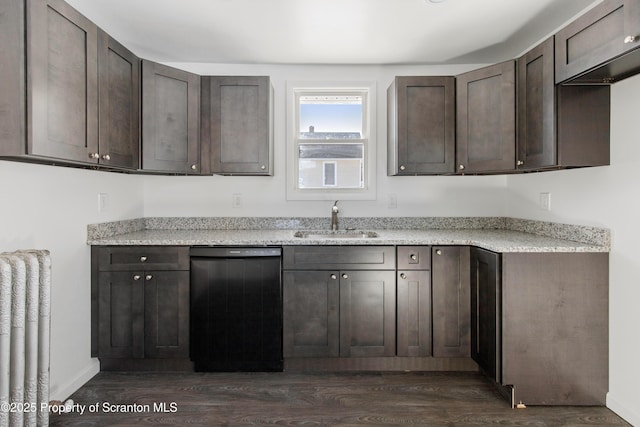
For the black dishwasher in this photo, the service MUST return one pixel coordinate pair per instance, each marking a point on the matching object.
(236, 309)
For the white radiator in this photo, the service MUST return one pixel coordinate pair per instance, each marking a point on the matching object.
(25, 286)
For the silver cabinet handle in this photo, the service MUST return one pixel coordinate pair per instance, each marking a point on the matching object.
(94, 155)
(148, 277)
(402, 167)
(106, 157)
(136, 277)
(345, 276)
(520, 163)
(263, 167)
(413, 257)
(194, 167)
(461, 167)
(631, 39)
(143, 258)
(333, 276)
(438, 252)
(403, 276)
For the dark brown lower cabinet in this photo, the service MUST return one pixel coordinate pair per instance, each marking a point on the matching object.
(311, 302)
(485, 311)
(339, 301)
(539, 324)
(414, 313)
(451, 301)
(144, 314)
(367, 313)
(339, 313)
(140, 316)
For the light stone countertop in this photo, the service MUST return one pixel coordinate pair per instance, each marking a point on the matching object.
(495, 240)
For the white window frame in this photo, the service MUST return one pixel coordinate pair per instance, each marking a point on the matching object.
(294, 89)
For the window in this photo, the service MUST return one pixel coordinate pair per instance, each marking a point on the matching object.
(330, 142)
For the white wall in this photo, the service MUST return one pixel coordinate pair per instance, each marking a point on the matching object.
(46, 207)
(266, 196)
(606, 197)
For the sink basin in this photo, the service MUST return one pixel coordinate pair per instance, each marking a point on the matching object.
(341, 234)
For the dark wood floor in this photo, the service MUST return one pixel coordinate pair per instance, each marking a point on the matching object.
(294, 399)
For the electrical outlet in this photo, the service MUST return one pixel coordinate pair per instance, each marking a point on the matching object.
(545, 201)
(103, 202)
(236, 200)
(392, 201)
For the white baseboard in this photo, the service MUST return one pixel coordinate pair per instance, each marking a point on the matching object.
(625, 411)
(63, 391)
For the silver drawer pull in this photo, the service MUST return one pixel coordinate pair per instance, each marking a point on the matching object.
(345, 276)
(438, 252)
(333, 276)
(136, 277)
(403, 276)
(143, 258)
(148, 277)
(413, 257)
(631, 39)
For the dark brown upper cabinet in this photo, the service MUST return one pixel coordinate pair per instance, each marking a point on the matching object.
(559, 126)
(596, 47)
(82, 95)
(119, 104)
(12, 79)
(421, 126)
(537, 108)
(62, 92)
(237, 125)
(486, 119)
(170, 119)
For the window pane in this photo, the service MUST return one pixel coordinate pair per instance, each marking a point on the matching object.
(330, 116)
(336, 165)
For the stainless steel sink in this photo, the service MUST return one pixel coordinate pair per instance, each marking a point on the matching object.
(346, 234)
(340, 234)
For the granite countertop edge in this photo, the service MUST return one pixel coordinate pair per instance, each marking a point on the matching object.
(503, 241)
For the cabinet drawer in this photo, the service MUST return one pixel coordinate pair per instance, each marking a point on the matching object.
(414, 257)
(128, 258)
(339, 257)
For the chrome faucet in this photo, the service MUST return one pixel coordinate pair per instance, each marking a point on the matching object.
(334, 216)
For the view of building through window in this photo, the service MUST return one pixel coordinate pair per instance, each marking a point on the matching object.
(331, 150)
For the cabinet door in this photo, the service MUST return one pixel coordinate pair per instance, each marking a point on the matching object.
(121, 326)
(414, 313)
(170, 119)
(421, 125)
(119, 107)
(12, 78)
(166, 314)
(237, 125)
(311, 314)
(603, 33)
(537, 108)
(451, 301)
(486, 312)
(367, 313)
(63, 84)
(486, 123)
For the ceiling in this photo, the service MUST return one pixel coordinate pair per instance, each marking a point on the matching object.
(329, 31)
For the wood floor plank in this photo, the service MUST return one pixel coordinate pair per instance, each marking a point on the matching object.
(312, 399)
